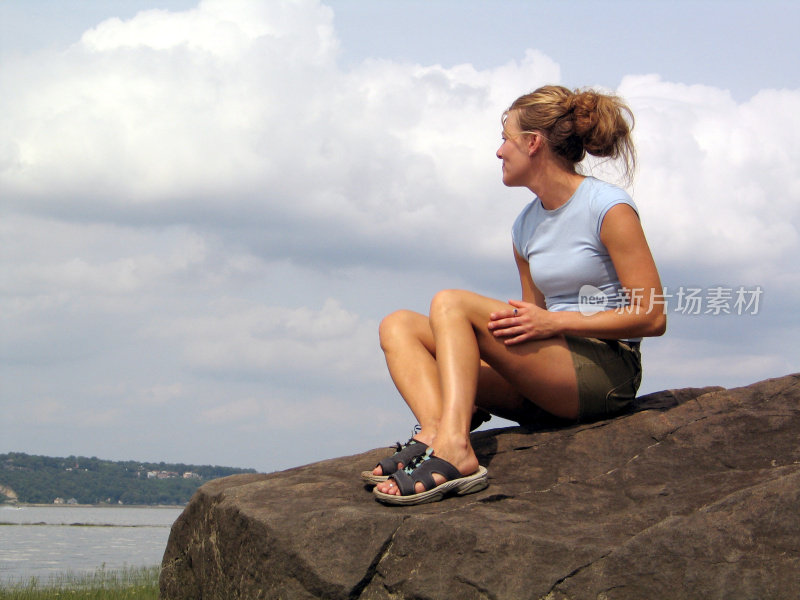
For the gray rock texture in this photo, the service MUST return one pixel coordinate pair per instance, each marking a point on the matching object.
(693, 494)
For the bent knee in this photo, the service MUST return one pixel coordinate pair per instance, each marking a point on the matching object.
(446, 301)
(398, 325)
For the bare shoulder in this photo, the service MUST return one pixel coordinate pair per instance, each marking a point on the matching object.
(621, 227)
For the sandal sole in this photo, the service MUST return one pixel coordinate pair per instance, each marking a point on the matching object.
(459, 487)
(370, 477)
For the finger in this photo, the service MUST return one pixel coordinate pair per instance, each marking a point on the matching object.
(516, 340)
(502, 323)
(516, 333)
(502, 314)
(505, 327)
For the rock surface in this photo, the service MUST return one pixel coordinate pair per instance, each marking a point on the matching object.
(694, 494)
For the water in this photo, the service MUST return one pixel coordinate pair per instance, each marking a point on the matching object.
(40, 541)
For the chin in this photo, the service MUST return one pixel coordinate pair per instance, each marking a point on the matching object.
(508, 182)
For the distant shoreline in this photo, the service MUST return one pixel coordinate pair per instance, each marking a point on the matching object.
(94, 481)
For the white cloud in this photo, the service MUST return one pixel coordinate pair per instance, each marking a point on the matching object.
(159, 395)
(142, 121)
(254, 415)
(223, 28)
(232, 411)
(718, 179)
(205, 214)
(273, 341)
(165, 104)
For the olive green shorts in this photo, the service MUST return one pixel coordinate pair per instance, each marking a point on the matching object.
(609, 373)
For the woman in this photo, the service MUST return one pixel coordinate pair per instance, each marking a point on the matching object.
(547, 351)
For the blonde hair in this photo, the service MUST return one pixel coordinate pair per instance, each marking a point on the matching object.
(577, 122)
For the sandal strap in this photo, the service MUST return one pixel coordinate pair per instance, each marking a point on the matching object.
(404, 482)
(405, 454)
(422, 471)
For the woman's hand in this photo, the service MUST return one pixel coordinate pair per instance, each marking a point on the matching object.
(525, 321)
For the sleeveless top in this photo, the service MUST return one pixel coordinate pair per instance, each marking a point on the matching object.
(569, 263)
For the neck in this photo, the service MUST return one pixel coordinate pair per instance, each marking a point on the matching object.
(554, 185)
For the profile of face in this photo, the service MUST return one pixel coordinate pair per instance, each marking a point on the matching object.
(514, 152)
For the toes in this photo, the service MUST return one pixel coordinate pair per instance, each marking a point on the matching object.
(391, 488)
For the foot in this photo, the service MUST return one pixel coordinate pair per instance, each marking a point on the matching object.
(423, 470)
(458, 453)
(410, 449)
(403, 456)
(421, 437)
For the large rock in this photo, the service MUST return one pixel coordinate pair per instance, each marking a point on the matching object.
(694, 494)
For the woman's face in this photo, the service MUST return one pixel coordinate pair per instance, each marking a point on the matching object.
(513, 152)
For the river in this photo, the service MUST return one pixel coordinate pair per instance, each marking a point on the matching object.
(41, 541)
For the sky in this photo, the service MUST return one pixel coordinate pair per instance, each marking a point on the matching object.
(207, 208)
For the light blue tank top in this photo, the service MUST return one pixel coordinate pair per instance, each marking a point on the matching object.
(564, 250)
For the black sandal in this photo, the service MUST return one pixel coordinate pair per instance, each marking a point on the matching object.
(422, 470)
(404, 453)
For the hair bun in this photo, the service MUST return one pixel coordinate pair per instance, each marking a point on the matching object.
(583, 106)
(579, 121)
(600, 121)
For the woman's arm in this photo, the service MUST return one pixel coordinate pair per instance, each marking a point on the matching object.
(622, 234)
(530, 293)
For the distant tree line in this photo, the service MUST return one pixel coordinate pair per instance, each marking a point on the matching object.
(42, 479)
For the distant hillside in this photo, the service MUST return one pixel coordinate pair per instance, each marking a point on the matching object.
(82, 480)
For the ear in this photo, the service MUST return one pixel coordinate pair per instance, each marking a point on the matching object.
(535, 141)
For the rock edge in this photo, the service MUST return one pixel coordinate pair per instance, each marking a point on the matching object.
(693, 494)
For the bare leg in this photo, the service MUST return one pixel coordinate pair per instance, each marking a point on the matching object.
(408, 345)
(540, 370)
(407, 342)
(497, 396)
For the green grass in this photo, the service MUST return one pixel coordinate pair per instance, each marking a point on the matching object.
(126, 584)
